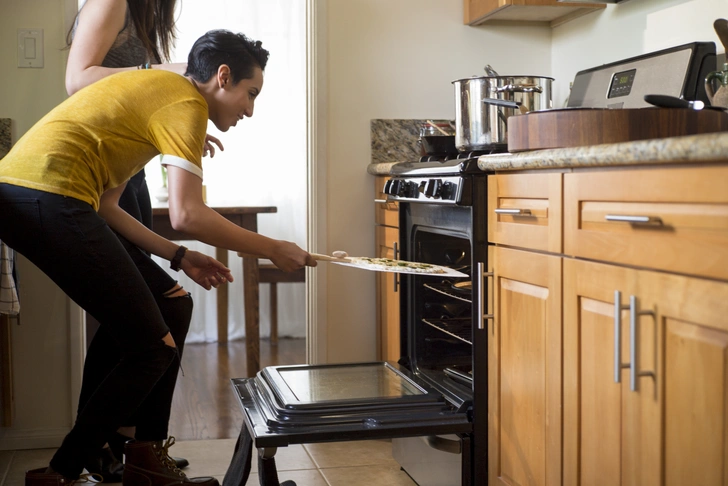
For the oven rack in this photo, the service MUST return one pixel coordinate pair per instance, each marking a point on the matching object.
(446, 289)
(458, 328)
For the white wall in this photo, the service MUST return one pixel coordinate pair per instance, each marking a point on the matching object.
(630, 29)
(44, 400)
(394, 59)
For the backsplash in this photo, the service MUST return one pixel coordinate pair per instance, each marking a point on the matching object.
(5, 141)
(395, 140)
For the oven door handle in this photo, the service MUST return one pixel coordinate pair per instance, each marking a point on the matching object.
(444, 445)
(481, 310)
(394, 275)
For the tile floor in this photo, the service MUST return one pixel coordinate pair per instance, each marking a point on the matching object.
(360, 463)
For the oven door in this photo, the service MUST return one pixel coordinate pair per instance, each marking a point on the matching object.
(302, 404)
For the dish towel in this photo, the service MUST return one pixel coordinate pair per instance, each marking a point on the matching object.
(9, 303)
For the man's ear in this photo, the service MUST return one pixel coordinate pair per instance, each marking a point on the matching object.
(223, 76)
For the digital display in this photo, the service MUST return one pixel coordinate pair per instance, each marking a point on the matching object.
(621, 83)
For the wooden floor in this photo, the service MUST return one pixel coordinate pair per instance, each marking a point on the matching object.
(204, 405)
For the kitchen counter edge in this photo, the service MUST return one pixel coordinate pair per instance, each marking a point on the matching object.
(712, 147)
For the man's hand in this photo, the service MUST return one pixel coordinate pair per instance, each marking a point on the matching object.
(205, 270)
(209, 148)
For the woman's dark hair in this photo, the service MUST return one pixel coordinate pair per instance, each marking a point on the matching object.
(155, 26)
(218, 47)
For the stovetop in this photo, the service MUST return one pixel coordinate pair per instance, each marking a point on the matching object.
(448, 164)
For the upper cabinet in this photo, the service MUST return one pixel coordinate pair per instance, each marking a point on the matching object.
(542, 11)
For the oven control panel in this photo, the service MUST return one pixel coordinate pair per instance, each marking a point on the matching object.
(441, 190)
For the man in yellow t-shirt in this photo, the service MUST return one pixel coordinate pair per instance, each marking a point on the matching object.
(59, 192)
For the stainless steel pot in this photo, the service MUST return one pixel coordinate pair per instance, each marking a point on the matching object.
(483, 125)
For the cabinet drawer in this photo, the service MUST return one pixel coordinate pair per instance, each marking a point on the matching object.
(524, 210)
(673, 219)
(385, 212)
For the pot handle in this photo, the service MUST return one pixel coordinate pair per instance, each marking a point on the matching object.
(519, 88)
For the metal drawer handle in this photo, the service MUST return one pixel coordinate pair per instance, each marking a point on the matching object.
(482, 316)
(515, 212)
(623, 218)
(381, 201)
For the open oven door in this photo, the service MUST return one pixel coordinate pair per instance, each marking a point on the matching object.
(302, 404)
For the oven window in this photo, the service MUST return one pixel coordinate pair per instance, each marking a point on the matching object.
(337, 383)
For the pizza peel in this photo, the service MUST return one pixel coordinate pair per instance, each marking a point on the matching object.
(393, 266)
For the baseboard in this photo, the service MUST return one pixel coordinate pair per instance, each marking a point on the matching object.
(13, 440)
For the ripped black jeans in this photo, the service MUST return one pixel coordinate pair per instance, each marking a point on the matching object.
(103, 354)
(67, 240)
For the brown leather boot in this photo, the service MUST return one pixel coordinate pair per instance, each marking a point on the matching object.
(39, 477)
(148, 464)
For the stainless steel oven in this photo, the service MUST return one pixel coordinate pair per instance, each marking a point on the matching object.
(437, 391)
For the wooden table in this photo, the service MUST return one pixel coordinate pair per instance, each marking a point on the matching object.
(245, 217)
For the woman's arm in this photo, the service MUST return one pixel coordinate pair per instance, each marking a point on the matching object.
(190, 215)
(99, 23)
(204, 270)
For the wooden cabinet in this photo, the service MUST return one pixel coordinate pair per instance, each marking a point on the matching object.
(524, 369)
(387, 241)
(539, 11)
(672, 219)
(525, 210)
(640, 355)
(667, 425)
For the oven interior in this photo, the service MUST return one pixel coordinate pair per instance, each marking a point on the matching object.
(437, 313)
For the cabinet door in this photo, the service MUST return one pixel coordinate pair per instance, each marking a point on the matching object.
(388, 331)
(524, 369)
(593, 415)
(690, 319)
(669, 427)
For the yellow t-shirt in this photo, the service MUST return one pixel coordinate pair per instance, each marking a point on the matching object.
(105, 133)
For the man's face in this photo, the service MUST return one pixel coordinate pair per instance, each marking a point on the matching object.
(236, 101)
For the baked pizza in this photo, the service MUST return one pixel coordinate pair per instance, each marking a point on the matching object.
(394, 265)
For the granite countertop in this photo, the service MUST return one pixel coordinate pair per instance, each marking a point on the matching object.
(5, 141)
(712, 147)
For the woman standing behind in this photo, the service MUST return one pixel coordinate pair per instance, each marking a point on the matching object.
(111, 36)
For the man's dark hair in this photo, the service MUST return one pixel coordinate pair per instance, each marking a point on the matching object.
(218, 47)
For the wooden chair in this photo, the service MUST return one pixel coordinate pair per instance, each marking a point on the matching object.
(272, 275)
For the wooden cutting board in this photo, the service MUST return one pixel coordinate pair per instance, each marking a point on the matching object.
(578, 127)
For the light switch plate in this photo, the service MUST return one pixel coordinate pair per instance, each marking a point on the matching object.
(30, 48)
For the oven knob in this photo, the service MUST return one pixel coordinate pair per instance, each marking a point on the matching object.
(388, 187)
(448, 190)
(433, 188)
(395, 187)
(411, 190)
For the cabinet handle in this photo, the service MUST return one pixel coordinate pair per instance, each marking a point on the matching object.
(515, 212)
(624, 218)
(633, 364)
(380, 201)
(618, 308)
(634, 371)
(482, 316)
(394, 275)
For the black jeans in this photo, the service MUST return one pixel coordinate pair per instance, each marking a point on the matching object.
(67, 240)
(103, 354)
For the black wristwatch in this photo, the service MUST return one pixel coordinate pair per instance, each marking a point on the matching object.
(177, 260)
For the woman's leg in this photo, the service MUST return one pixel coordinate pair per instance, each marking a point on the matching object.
(176, 307)
(69, 242)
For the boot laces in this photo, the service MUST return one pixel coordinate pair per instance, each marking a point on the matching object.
(167, 460)
(85, 478)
